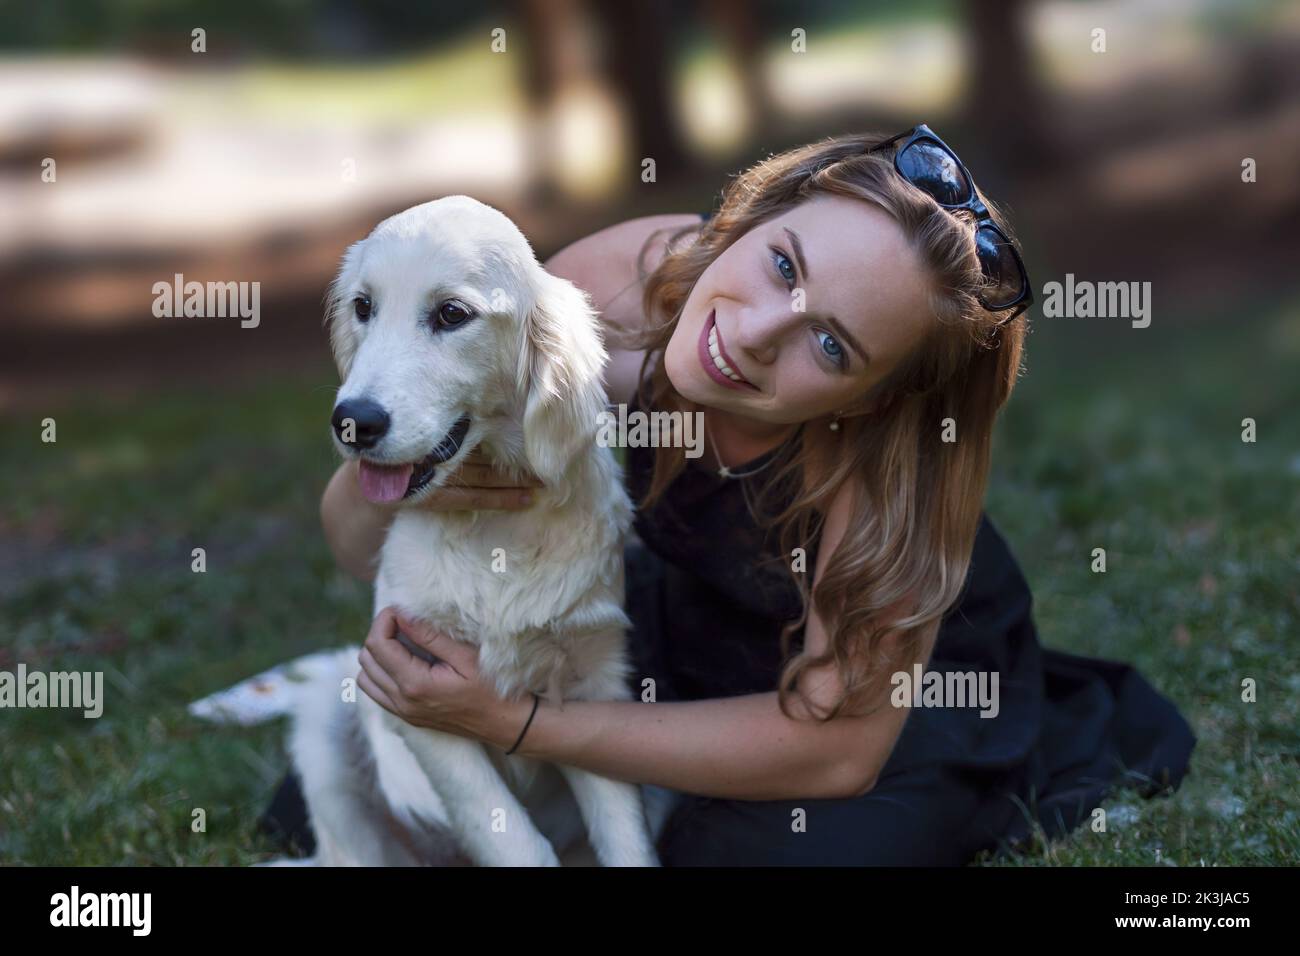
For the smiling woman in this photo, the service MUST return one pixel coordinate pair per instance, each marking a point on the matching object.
(828, 324)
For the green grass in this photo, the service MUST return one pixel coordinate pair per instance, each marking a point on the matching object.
(1130, 440)
(123, 497)
(1116, 438)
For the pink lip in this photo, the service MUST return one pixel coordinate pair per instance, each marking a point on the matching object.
(706, 359)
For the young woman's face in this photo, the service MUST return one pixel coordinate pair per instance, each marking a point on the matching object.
(807, 311)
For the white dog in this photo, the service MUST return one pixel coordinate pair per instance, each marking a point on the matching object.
(450, 336)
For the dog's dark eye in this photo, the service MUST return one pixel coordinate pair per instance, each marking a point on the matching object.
(362, 306)
(452, 314)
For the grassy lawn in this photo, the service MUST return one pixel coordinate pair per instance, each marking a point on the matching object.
(1117, 438)
(1131, 440)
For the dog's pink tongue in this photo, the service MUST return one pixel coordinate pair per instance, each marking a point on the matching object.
(383, 483)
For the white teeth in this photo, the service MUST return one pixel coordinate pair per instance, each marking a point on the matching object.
(724, 368)
(716, 352)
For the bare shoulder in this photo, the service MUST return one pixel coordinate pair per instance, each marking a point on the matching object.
(605, 263)
(608, 266)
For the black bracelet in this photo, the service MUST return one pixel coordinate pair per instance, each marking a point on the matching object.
(536, 700)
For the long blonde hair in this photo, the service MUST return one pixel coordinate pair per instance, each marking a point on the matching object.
(904, 557)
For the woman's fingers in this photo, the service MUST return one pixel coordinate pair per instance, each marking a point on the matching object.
(378, 678)
(492, 477)
(477, 469)
(377, 693)
(478, 484)
(456, 654)
(478, 499)
(475, 475)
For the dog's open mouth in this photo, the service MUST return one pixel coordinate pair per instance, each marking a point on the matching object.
(382, 483)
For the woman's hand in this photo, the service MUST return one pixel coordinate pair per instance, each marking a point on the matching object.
(449, 696)
(478, 485)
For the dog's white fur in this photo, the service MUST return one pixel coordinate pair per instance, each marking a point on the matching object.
(527, 371)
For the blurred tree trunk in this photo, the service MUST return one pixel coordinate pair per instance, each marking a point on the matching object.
(738, 22)
(1005, 106)
(637, 59)
(548, 61)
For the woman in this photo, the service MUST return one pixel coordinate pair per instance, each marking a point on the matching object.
(849, 323)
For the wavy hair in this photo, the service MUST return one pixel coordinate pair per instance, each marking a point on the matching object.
(917, 499)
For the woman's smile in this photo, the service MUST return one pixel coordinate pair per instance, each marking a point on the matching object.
(720, 366)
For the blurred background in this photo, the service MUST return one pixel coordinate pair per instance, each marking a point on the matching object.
(246, 142)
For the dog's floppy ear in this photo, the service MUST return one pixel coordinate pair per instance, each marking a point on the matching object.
(560, 365)
(338, 310)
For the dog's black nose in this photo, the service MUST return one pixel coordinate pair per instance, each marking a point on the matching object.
(369, 422)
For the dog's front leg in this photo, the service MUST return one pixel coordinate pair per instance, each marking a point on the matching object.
(615, 818)
(488, 821)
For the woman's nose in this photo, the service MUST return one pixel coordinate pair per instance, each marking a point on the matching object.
(758, 332)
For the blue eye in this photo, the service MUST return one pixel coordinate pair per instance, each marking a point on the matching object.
(830, 346)
(782, 262)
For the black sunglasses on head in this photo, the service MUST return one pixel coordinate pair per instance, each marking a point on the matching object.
(929, 164)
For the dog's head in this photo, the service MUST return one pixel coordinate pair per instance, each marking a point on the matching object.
(449, 334)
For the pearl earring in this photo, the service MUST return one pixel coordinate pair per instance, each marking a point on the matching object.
(835, 424)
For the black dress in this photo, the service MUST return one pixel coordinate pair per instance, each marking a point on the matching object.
(707, 612)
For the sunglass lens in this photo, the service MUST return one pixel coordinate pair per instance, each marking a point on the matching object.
(998, 259)
(932, 168)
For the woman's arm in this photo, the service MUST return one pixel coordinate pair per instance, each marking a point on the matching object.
(354, 527)
(741, 747)
(737, 747)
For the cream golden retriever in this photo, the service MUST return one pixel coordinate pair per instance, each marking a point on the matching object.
(449, 337)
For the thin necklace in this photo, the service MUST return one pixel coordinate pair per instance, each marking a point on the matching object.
(723, 470)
